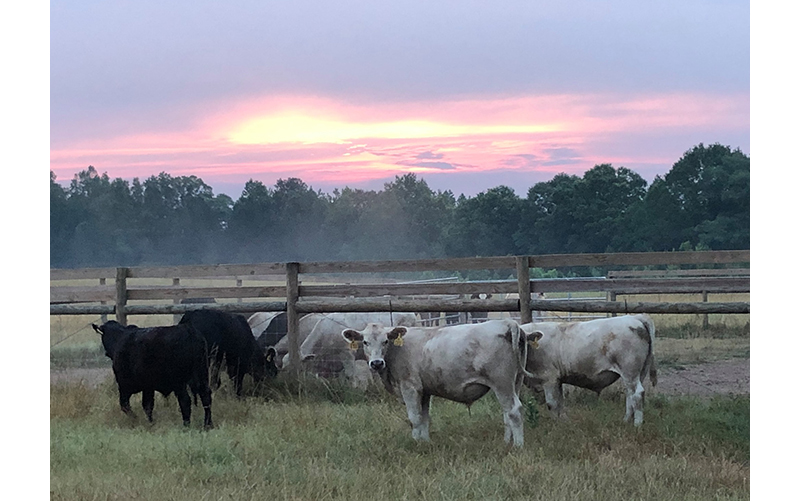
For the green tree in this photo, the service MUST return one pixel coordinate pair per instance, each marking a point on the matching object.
(548, 221)
(422, 216)
(703, 199)
(605, 198)
(349, 213)
(62, 225)
(485, 225)
(181, 220)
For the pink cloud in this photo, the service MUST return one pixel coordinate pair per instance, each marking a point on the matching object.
(323, 140)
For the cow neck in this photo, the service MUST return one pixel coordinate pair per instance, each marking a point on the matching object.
(386, 378)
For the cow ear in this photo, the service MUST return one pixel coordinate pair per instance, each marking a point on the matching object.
(396, 332)
(271, 354)
(97, 329)
(396, 335)
(352, 336)
(533, 338)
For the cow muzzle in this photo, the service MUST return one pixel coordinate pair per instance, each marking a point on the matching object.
(377, 365)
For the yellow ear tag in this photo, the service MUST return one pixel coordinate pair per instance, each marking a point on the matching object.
(398, 341)
(534, 343)
(354, 345)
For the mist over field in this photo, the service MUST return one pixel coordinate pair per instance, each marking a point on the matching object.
(703, 202)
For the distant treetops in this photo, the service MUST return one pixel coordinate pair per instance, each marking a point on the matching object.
(703, 202)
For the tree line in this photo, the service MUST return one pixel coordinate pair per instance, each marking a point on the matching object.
(703, 202)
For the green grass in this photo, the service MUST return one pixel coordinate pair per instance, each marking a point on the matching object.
(309, 440)
(88, 354)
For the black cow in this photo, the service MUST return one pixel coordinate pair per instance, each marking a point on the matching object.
(275, 330)
(478, 316)
(163, 359)
(229, 336)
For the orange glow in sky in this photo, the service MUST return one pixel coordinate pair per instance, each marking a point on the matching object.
(324, 141)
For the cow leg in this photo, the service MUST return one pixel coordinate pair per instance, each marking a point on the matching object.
(205, 397)
(125, 402)
(236, 374)
(148, 401)
(238, 384)
(413, 400)
(512, 414)
(185, 403)
(554, 398)
(634, 401)
(426, 415)
(215, 365)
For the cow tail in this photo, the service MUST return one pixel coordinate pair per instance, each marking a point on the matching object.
(519, 343)
(650, 362)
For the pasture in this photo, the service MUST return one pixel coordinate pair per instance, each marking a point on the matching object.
(325, 441)
(322, 440)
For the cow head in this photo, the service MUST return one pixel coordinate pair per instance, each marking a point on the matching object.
(376, 340)
(263, 366)
(111, 334)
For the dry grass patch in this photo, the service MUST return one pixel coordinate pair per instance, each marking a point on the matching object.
(696, 351)
(329, 443)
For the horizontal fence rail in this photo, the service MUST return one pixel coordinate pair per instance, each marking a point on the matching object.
(475, 263)
(445, 295)
(513, 305)
(618, 286)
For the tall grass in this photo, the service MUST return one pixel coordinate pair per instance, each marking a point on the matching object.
(309, 440)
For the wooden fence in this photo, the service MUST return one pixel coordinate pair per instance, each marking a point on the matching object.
(296, 298)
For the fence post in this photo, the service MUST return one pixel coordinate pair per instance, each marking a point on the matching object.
(122, 295)
(175, 317)
(612, 296)
(292, 320)
(524, 288)
(103, 317)
(705, 315)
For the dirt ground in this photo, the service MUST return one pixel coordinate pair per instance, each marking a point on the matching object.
(722, 377)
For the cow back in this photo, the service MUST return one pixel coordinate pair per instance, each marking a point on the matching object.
(231, 335)
(160, 358)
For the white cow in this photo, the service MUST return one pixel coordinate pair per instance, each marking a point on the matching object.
(304, 327)
(326, 354)
(460, 363)
(592, 355)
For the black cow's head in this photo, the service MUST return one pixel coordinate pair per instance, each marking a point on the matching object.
(263, 366)
(111, 334)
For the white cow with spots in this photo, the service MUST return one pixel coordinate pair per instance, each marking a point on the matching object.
(592, 355)
(460, 363)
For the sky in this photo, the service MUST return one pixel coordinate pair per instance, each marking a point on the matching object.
(467, 95)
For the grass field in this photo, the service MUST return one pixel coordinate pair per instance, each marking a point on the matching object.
(329, 442)
(310, 440)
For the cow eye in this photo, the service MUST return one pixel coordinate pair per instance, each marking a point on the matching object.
(365, 343)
